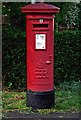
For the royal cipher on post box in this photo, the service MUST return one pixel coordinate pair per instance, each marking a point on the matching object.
(40, 54)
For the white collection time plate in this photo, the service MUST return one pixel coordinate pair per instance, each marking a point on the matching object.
(40, 41)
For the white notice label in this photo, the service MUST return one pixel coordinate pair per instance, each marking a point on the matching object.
(40, 41)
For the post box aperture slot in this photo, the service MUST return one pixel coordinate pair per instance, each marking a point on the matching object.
(39, 26)
(40, 41)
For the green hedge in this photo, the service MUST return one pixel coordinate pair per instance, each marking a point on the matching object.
(14, 57)
(67, 53)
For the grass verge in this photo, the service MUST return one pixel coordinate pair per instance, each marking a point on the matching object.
(65, 100)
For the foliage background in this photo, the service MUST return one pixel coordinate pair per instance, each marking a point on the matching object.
(67, 48)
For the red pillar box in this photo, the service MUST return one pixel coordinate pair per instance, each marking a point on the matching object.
(40, 54)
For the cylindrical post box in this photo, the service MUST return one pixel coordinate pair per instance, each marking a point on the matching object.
(40, 54)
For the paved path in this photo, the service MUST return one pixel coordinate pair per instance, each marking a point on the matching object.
(37, 116)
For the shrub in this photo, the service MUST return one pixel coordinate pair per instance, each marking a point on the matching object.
(67, 48)
(14, 57)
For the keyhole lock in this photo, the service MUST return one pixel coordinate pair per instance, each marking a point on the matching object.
(50, 57)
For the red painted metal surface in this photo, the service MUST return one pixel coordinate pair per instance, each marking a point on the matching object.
(40, 46)
(40, 8)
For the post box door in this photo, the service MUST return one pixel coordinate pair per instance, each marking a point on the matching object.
(40, 58)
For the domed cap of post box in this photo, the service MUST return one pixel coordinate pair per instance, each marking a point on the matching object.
(40, 8)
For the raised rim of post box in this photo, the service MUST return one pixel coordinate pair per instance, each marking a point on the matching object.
(38, 17)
